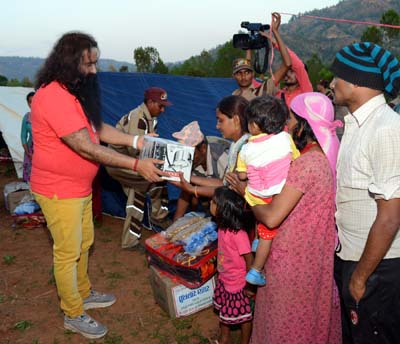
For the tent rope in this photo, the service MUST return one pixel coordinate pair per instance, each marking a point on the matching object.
(343, 20)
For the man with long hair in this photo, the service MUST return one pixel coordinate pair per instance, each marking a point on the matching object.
(67, 129)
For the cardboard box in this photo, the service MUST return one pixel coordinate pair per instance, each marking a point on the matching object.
(13, 198)
(177, 157)
(17, 188)
(178, 300)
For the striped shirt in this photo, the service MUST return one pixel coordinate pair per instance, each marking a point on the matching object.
(266, 160)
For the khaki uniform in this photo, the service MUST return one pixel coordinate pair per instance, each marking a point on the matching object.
(267, 87)
(139, 122)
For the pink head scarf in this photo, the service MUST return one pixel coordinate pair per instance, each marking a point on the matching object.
(318, 111)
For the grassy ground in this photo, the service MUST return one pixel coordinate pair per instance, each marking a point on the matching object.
(29, 306)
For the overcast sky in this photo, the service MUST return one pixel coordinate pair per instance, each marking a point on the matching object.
(177, 28)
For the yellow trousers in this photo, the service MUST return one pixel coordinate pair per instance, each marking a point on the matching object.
(71, 225)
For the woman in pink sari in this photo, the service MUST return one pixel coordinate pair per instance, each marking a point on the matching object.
(300, 303)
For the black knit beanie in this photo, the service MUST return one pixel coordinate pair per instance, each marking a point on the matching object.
(368, 65)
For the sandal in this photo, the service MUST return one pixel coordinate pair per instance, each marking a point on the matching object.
(256, 277)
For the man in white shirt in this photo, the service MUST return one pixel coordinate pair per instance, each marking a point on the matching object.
(367, 265)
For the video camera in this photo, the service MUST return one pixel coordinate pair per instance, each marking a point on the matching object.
(253, 40)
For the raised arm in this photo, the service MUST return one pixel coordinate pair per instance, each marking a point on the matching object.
(301, 73)
(286, 60)
(248, 54)
(277, 43)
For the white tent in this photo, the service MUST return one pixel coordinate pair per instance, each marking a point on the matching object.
(13, 107)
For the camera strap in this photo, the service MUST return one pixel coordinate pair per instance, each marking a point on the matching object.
(261, 59)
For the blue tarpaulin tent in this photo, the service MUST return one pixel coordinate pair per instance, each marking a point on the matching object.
(194, 99)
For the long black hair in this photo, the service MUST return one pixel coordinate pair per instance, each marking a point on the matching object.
(63, 65)
(302, 132)
(231, 213)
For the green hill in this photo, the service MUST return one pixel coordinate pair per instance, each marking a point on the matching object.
(16, 67)
(324, 38)
(303, 35)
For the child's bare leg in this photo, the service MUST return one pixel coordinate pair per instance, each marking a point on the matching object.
(245, 332)
(263, 248)
(225, 333)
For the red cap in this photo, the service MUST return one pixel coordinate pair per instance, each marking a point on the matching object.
(158, 95)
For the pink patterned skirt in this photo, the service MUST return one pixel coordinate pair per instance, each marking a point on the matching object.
(234, 308)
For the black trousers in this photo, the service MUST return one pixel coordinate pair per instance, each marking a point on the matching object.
(376, 318)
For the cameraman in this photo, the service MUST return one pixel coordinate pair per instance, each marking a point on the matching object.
(243, 72)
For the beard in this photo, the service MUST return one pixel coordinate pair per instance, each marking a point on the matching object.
(87, 91)
(291, 83)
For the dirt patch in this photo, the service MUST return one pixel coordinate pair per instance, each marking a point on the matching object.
(29, 306)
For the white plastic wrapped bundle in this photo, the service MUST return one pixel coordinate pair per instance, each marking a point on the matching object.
(193, 232)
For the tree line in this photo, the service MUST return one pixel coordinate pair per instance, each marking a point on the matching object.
(25, 82)
(218, 62)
